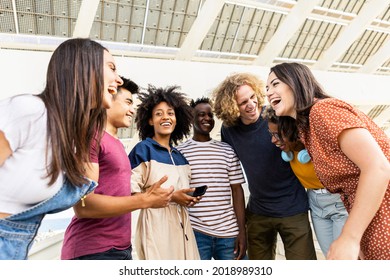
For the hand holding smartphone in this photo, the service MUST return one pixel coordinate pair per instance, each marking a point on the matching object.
(199, 191)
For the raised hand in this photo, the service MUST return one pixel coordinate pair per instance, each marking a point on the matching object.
(157, 197)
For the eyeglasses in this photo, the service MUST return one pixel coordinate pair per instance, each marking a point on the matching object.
(276, 135)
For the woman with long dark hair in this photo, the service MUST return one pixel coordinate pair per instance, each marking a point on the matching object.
(350, 153)
(45, 141)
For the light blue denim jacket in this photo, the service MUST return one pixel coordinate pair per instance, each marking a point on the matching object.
(17, 232)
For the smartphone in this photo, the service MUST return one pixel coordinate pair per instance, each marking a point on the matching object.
(199, 191)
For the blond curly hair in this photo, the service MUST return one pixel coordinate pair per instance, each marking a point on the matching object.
(224, 96)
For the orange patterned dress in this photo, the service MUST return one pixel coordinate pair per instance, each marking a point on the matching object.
(327, 119)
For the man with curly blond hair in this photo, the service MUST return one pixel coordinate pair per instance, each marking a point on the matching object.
(277, 202)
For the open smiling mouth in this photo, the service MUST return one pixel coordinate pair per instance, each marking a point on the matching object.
(166, 124)
(275, 101)
(112, 90)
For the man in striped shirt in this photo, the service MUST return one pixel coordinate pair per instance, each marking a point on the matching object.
(218, 220)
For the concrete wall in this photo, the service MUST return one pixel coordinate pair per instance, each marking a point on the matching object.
(25, 72)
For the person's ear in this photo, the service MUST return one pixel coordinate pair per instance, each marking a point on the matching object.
(150, 122)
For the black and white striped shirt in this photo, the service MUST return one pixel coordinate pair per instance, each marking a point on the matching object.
(215, 164)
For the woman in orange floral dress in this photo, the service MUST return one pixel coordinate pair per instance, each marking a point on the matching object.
(351, 156)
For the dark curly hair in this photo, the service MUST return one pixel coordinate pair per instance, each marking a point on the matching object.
(269, 115)
(200, 100)
(286, 125)
(177, 100)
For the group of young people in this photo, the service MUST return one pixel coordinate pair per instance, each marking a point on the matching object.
(334, 161)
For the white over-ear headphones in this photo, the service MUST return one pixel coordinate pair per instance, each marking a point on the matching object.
(303, 156)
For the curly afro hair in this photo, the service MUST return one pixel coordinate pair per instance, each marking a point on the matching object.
(176, 99)
(200, 100)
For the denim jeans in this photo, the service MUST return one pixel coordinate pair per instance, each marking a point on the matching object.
(217, 248)
(17, 232)
(112, 254)
(328, 215)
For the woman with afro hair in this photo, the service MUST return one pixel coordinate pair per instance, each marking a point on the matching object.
(163, 118)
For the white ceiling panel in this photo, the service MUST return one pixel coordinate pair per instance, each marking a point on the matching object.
(333, 35)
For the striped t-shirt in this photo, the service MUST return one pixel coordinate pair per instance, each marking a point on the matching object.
(215, 164)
